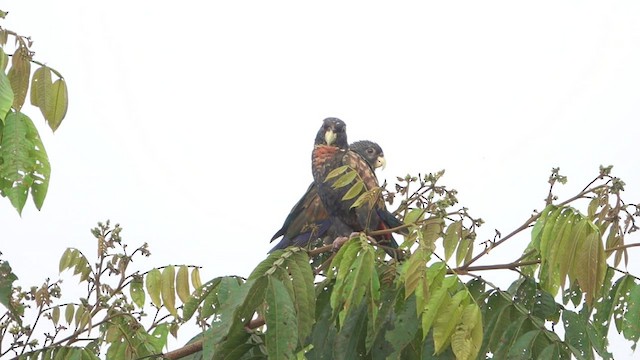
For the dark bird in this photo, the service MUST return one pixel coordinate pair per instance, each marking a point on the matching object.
(309, 220)
(330, 152)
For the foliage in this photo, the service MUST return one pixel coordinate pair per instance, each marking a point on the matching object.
(24, 164)
(359, 303)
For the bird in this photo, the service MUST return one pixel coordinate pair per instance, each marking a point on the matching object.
(308, 219)
(330, 152)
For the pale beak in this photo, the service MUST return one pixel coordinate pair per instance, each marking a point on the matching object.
(330, 137)
(381, 162)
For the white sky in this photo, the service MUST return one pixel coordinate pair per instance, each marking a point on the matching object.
(192, 123)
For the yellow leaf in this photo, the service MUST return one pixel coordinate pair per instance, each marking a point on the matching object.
(168, 292)
(182, 283)
(19, 76)
(57, 104)
(153, 284)
(195, 278)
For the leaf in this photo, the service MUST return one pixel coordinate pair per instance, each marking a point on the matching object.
(463, 250)
(282, 334)
(40, 87)
(235, 312)
(58, 104)
(451, 238)
(549, 225)
(68, 313)
(4, 59)
(590, 264)
(467, 336)
(195, 278)
(182, 283)
(304, 302)
(7, 277)
(447, 319)
(19, 76)
(344, 180)
(55, 315)
(405, 326)
(631, 321)
(349, 342)
(23, 162)
(6, 93)
(198, 296)
(335, 172)
(136, 291)
(521, 348)
(509, 335)
(168, 289)
(354, 191)
(65, 259)
(153, 283)
(438, 297)
(576, 333)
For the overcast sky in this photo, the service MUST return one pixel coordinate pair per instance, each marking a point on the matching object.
(192, 123)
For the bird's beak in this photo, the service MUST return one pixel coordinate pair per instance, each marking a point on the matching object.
(381, 162)
(330, 137)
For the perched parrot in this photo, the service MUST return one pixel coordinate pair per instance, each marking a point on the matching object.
(331, 152)
(309, 220)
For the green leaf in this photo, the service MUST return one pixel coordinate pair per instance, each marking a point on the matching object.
(354, 191)
(19, 76)
(55, 314)
(235, 312)
(463, 250)
(350, 340)
(497, 317)
(182, 283)
(467, 336)
(352, 283)
(198, 296)
(6, 94)
(324, 331)
(57, 105)
(437, 300)
(522, 347)
(40, 87)
(7, 277)
(68, 313)
(158, 338)
(589, 266)
(168, 289)
(576, 333)
(405, 326)
(509, 335)
(153, 283)
(23, 162)
(136, 290)
(303, 288)
(451, 238)
(447, 319)
(282, 334)
(337, 171)
(549, 224)
(344, 180)
(631, 321)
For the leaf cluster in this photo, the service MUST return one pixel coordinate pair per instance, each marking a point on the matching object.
(24, 164)
(360, 303)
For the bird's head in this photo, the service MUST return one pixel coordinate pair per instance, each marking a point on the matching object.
(333, 132)
(371, 152)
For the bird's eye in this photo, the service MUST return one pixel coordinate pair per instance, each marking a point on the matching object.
(370, 150)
